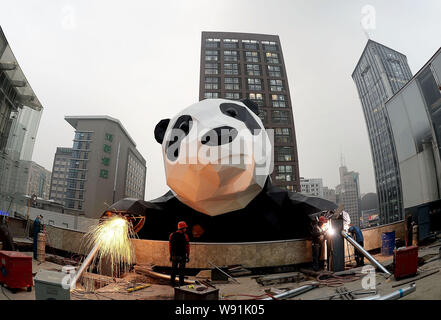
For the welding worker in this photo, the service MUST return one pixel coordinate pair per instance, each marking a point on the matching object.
(318, 236)
(357, 235)
(5, 235)
(179, 247)
(37, 228)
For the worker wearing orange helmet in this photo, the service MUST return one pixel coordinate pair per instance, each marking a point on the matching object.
(179, 247)
(318, 232)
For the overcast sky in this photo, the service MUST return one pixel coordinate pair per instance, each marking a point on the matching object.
(138, 61)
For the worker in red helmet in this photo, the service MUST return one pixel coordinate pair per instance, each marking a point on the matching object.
(179, 247)
(318, 237)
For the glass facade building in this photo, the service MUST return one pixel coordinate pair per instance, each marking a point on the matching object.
(20, 113)
(243, 65)
(379, 74)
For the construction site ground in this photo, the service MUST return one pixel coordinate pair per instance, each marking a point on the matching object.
(248, 288)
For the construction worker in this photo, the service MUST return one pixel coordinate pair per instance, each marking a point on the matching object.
(37, 228)
(179, 247)
(357, 235)
(318, 236)
(5, 235)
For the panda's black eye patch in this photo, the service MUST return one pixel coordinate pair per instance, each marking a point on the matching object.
(180, 130)
(231, 112)
(242, 114)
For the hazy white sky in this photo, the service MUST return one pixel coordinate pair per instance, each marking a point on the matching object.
(138, 61)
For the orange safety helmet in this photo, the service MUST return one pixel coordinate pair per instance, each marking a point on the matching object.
(182, 225)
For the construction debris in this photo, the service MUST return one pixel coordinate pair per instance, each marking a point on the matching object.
(147, 271)
(238, 271)
(283, 278)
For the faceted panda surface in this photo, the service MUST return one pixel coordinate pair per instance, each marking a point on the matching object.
(217, 156)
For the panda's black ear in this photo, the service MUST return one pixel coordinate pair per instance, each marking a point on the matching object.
(251, 105)
(160, 130)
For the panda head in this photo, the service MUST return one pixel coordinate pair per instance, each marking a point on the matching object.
(217, 154)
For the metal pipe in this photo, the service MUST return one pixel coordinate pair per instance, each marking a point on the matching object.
(365, 253)
(84, 266)
(399, 293)
(292, 293)
(393, 295)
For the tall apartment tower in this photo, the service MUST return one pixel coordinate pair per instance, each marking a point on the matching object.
(244, 65)
(379, 74)
(105, 166)
(60, 170)
(348, 194)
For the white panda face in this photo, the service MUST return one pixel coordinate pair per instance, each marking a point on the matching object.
(217, 156)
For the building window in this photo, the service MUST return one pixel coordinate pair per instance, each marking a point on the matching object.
(230, 43)
(280, 116)
(211, 55)
(254, 84)
(211, 83)
(232, 84)
(284, 173)
(276, 85)
(269, 46)
(272, 57)
(212, 43)
(283, 154)
(211, 95)
(283, 135)
(252, 56)
(230, 56)
(231, 68)
(232, 95)
(253, 69)
(274, 71)
(250, 44)
(278, 101)
(257, 98)
(211, 68)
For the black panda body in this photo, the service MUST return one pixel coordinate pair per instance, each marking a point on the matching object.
(274, 214)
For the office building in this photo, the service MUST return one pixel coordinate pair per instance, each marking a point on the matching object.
(60, 170)
(348, 194)
(311, 187)
(20, 113)
(329, 194)
(415, 117)
(245, 65)
(379, 74)
(105, 166)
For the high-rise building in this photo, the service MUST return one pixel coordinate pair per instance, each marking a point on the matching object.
(348, 194)
(414, 113)
(329, 194)
(379, 74)
(20, 113)
(311, 187)
(60, 170)
(39, 180)
(105, 165)
(245, 65)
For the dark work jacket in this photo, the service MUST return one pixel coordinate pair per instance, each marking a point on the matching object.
(179, 244)
(357, 232)
(37, 226)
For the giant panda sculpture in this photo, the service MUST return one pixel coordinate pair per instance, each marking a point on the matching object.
(218, 159)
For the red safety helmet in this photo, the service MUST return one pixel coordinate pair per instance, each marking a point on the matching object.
(322, 219)
(182, 225)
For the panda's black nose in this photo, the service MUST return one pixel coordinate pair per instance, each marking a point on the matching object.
(219, 136)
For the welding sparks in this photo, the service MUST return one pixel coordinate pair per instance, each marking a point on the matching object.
(112, 236)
